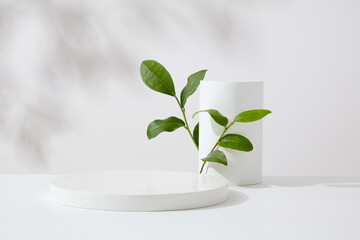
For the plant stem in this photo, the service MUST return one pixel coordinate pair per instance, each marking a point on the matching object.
(223, 133)
(186, 123)
(217, 142)
(202, 167)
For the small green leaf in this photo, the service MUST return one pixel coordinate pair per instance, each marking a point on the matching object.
(216, 156)
(156, 77)
(196, 134)
(191, 86)
(252, 115)
(236, 142)
(216, 115)
(167, 125)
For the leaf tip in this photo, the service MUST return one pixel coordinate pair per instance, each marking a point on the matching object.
(149, 135)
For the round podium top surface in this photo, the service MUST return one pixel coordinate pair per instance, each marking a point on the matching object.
(139, 190)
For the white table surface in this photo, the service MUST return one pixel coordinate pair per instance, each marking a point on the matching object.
(288, 208)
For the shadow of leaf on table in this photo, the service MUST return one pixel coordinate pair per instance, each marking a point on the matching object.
(305, 181)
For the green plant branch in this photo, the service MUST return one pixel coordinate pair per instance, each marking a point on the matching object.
(217, 142)
(186, 123)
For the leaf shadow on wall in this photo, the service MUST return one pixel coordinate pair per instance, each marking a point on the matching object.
(50, 48)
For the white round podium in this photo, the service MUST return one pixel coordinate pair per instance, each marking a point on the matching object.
(139, 190)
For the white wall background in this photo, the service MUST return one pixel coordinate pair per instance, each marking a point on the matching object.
(71, 97)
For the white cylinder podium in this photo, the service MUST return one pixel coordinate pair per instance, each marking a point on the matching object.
(231, 98)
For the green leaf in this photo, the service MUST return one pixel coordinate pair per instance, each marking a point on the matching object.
(191, 86)
(196, 134)
(167, 125)
(216, 156)
(216, 115)
(252, 115)
(236, 142)
(156, 77)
